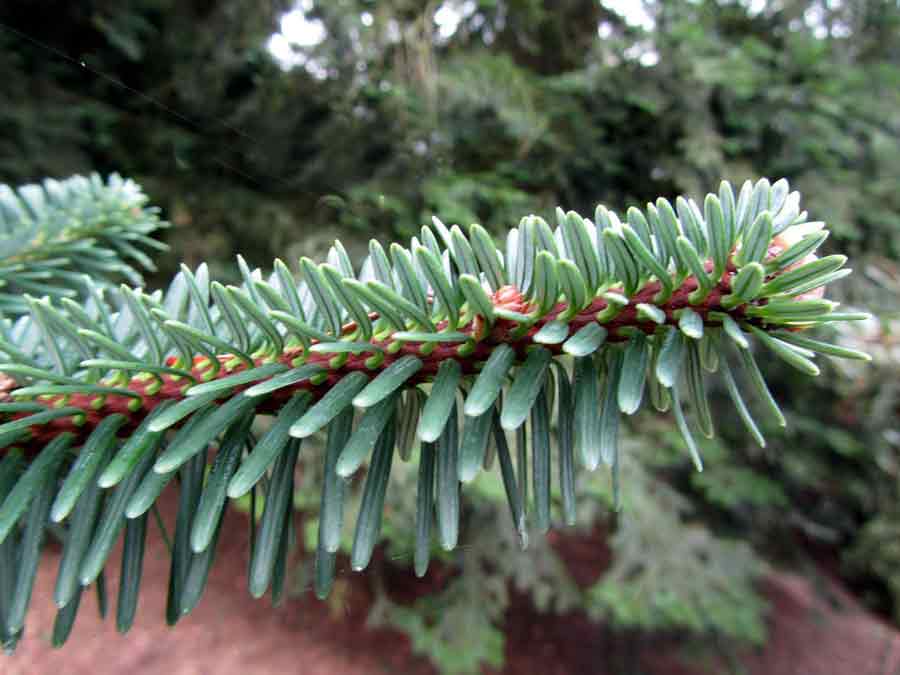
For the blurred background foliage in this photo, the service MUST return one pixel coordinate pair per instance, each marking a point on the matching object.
(270, 127)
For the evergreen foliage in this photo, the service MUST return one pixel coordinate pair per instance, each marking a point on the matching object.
(59, 237)
(580, 325)
(655, 580)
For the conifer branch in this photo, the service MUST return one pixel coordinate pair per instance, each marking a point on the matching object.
(62, 237)
(580, 324)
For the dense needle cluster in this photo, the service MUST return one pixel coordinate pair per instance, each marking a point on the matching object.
(450, 345)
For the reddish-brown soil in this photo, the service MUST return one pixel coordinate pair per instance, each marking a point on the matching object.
(811, 632)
